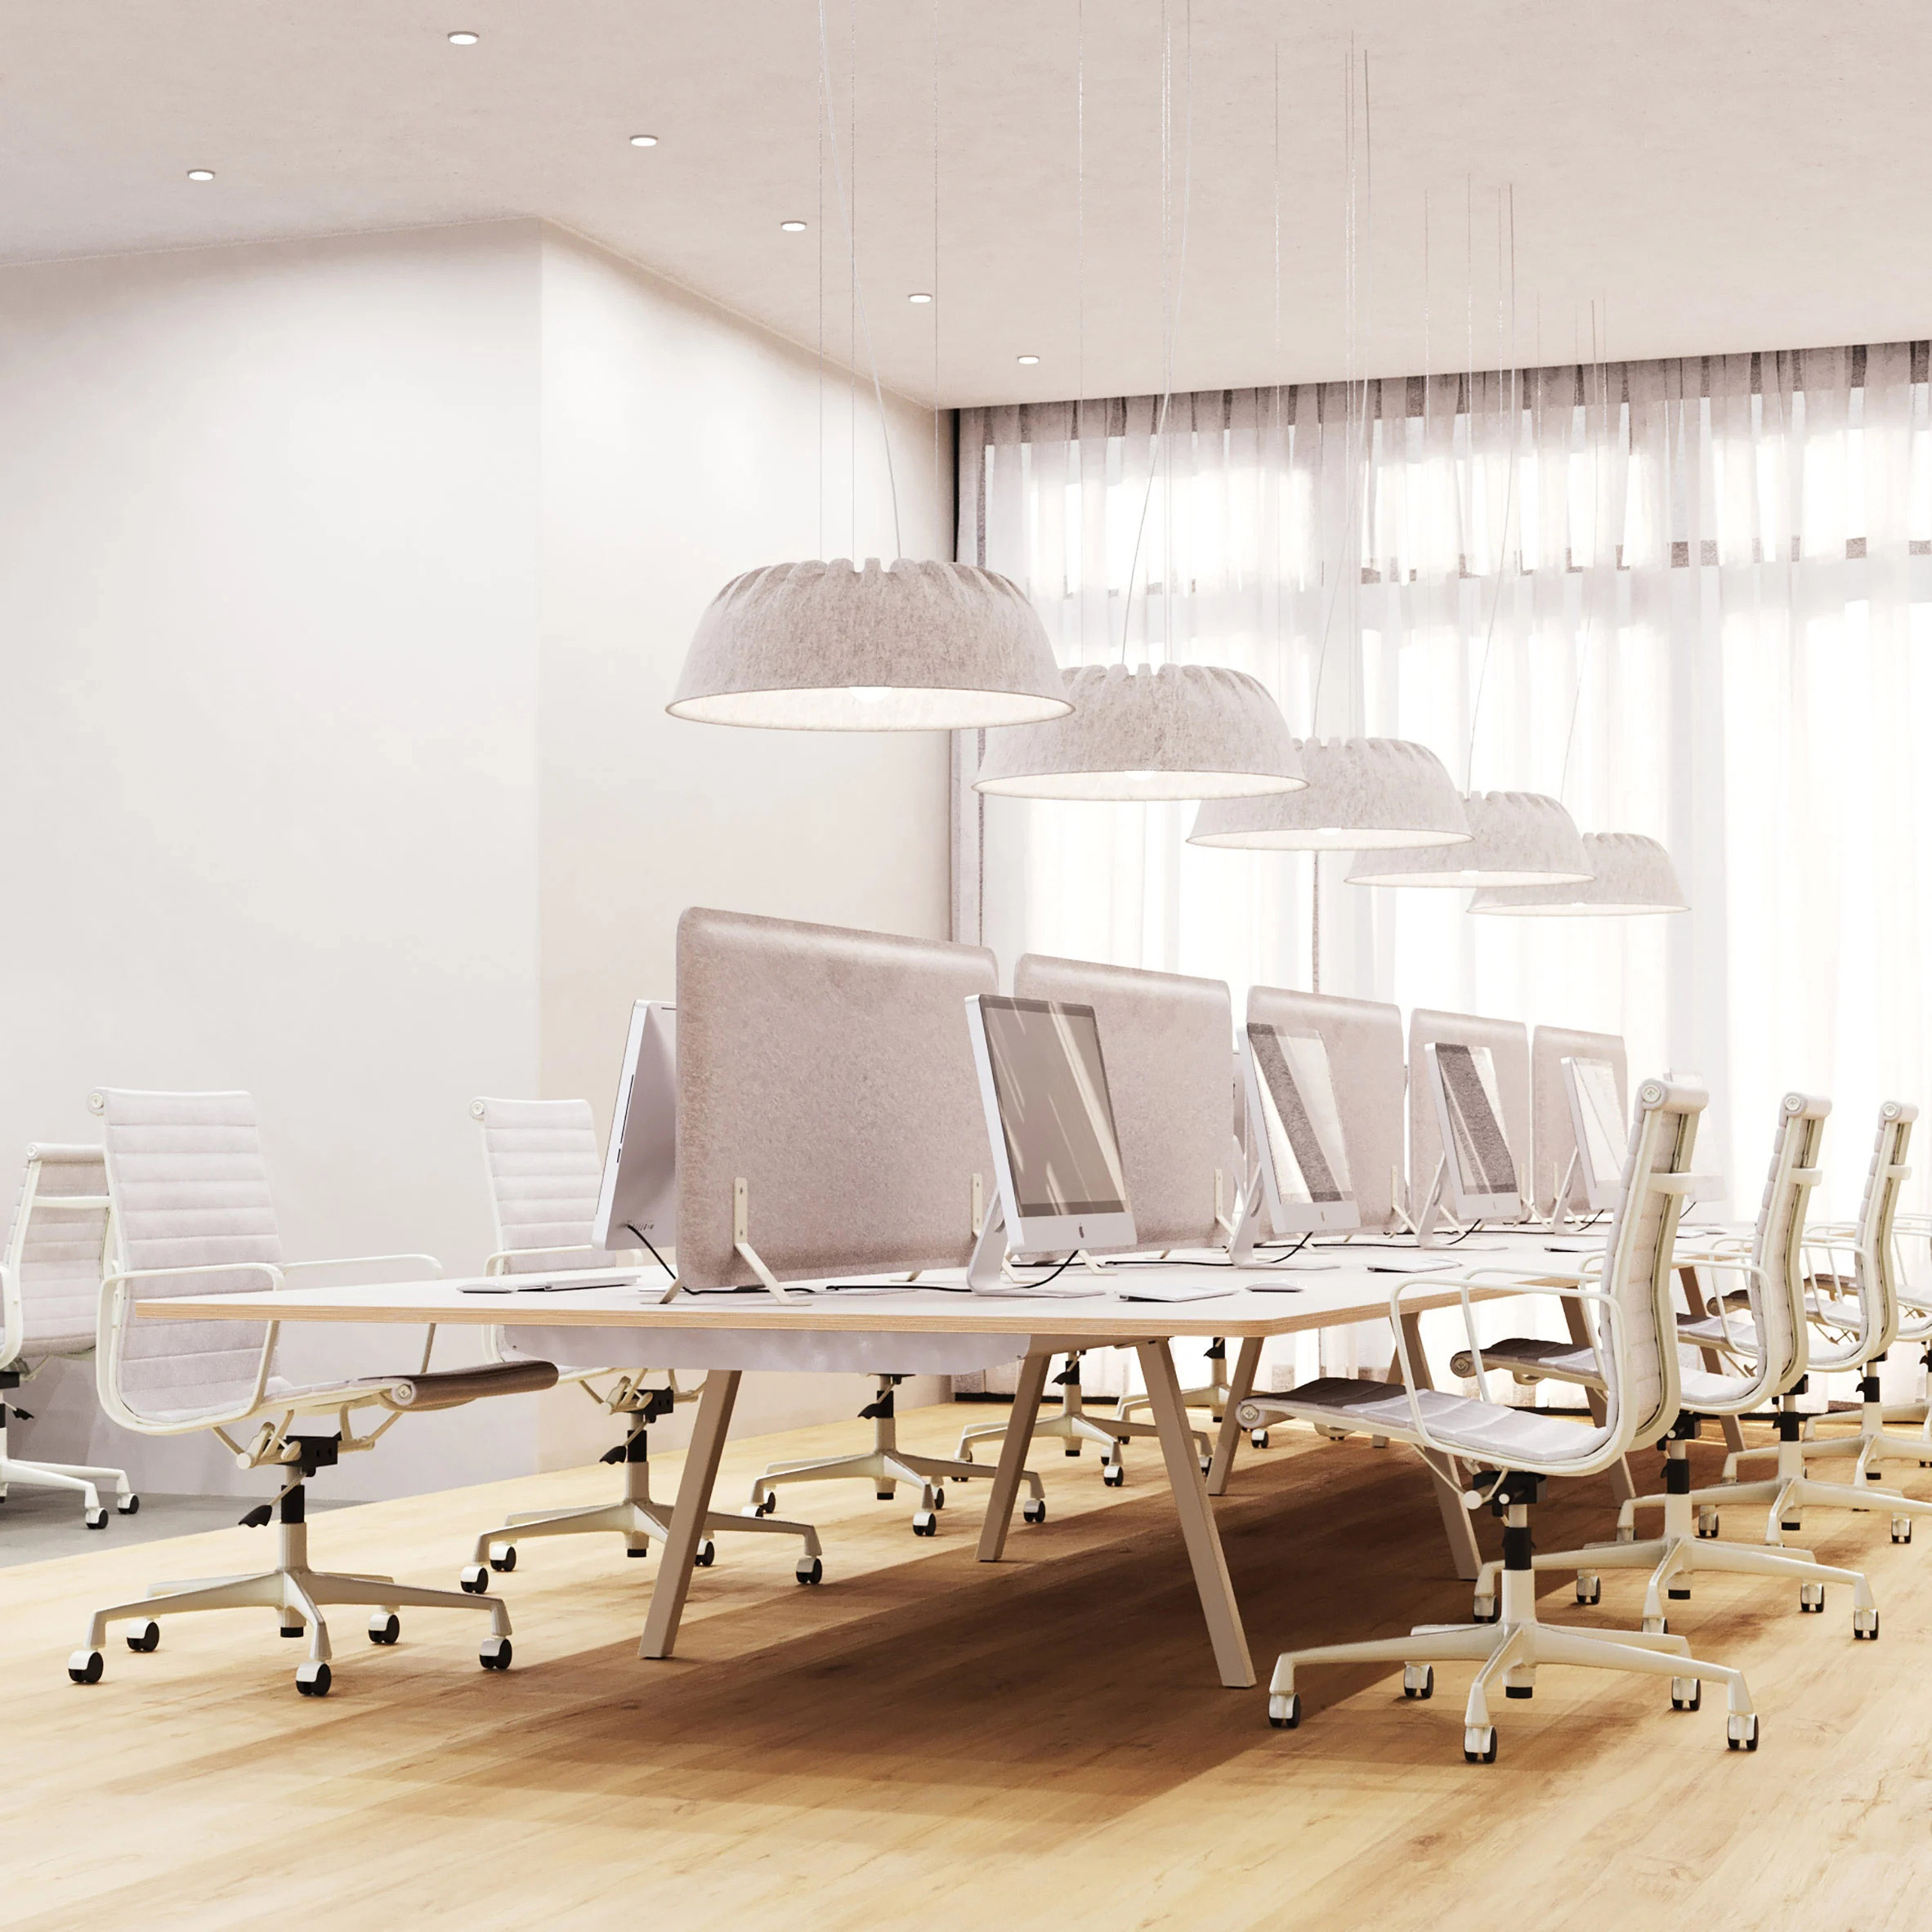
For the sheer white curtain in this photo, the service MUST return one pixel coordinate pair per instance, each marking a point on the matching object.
(1691, 598)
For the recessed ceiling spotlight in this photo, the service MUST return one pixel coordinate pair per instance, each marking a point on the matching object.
(1029, 359)
(643, 141)
(792, 227)
(919, 298)
(465, 38)
(201, 174)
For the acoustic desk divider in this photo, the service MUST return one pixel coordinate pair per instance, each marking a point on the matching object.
(1508, 1045)
(828, 1117)
(1363, 1040)
(1166, 1037)
(1560, 1160)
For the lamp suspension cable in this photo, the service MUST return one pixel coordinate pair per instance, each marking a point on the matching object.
(1596, 535)
(1515, 409)
(937, 495)
(1159, 459)
(859, 321)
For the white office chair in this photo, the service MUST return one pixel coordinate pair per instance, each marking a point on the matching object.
(50, 1284)
(1768, 1346)
(1854, 1316)
(193, 1215)
(1631, 1303)
(541, 1157)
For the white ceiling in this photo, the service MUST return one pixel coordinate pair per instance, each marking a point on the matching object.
(1730, 175)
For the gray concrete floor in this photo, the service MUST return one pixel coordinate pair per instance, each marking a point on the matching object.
(38, 1524)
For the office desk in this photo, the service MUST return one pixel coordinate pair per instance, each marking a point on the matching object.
(1040, 1328)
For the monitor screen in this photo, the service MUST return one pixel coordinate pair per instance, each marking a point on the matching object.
(1480, 1151)
(1299, 1114)
(1055, 1115)
(1599, 1113)
(637, 1201)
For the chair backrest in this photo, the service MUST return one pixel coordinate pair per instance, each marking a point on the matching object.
(190, 1189)
(1875, 1250)
(1637, 1262)
(54, 1251)
(1777, 1245)
(541, 1158)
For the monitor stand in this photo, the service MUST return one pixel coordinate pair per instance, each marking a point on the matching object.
(985, 1272)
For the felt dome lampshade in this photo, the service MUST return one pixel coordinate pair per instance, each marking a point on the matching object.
(1362, 793)
(1519, 838)
(1165, 733)
(1631, 875)
(911, 647)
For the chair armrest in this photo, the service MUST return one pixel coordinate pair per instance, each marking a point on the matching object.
(111, 1320)
(436, 1267)
(1570, 1290)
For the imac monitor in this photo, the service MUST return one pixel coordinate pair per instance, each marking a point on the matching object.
(1297, 1130)
(1596, 1112)
(1063, 1183)
(637, 1201)
(1479, 1171)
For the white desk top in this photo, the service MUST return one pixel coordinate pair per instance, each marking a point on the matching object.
(1262, 1300)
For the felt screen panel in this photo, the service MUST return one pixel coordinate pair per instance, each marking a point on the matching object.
(1364, 1040)
(1164, 1038)
(1508, 1041)
(1553, 1129)
(833, 1070)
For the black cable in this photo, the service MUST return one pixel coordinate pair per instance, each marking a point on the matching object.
(1061, 1270)
(656, 1257)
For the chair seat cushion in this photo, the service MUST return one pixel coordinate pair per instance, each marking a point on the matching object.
(1487, 1430)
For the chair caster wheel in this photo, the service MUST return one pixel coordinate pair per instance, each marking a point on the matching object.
(97, 1519)
(146, 1637)
(1486, 1610)
(85, 1666)
(1284, 1713)
(313, 1680)
(1258, 1439)
(1479, 1744)
(1074, 1449)
(494, 1653)
(1707, 1522)
(475, 1579)
(885, 1496)
(294, 1629)
(936, 1496)
(1418, 1684)
(1589, 1589)
(809, 1569)
(1865, 1625)
(1811, 1599)
(1687, 1693)
(384, 1630)
(1207, 1463)
(127, 1505)
(706, 1554)
(1114, 1476)
(1740, 1733)
(507, 1560)
(1901, 1529)
(1034, 1510)
(925, 1523)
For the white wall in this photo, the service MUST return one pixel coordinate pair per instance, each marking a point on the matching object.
(346, 581)
(680, 449)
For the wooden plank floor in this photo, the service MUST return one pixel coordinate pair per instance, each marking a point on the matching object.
(1040, 1744)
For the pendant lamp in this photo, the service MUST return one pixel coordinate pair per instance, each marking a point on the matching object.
(1170, 731)
(910, 646)
(1520, 839)
(1631, 874)
(1362, 793)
